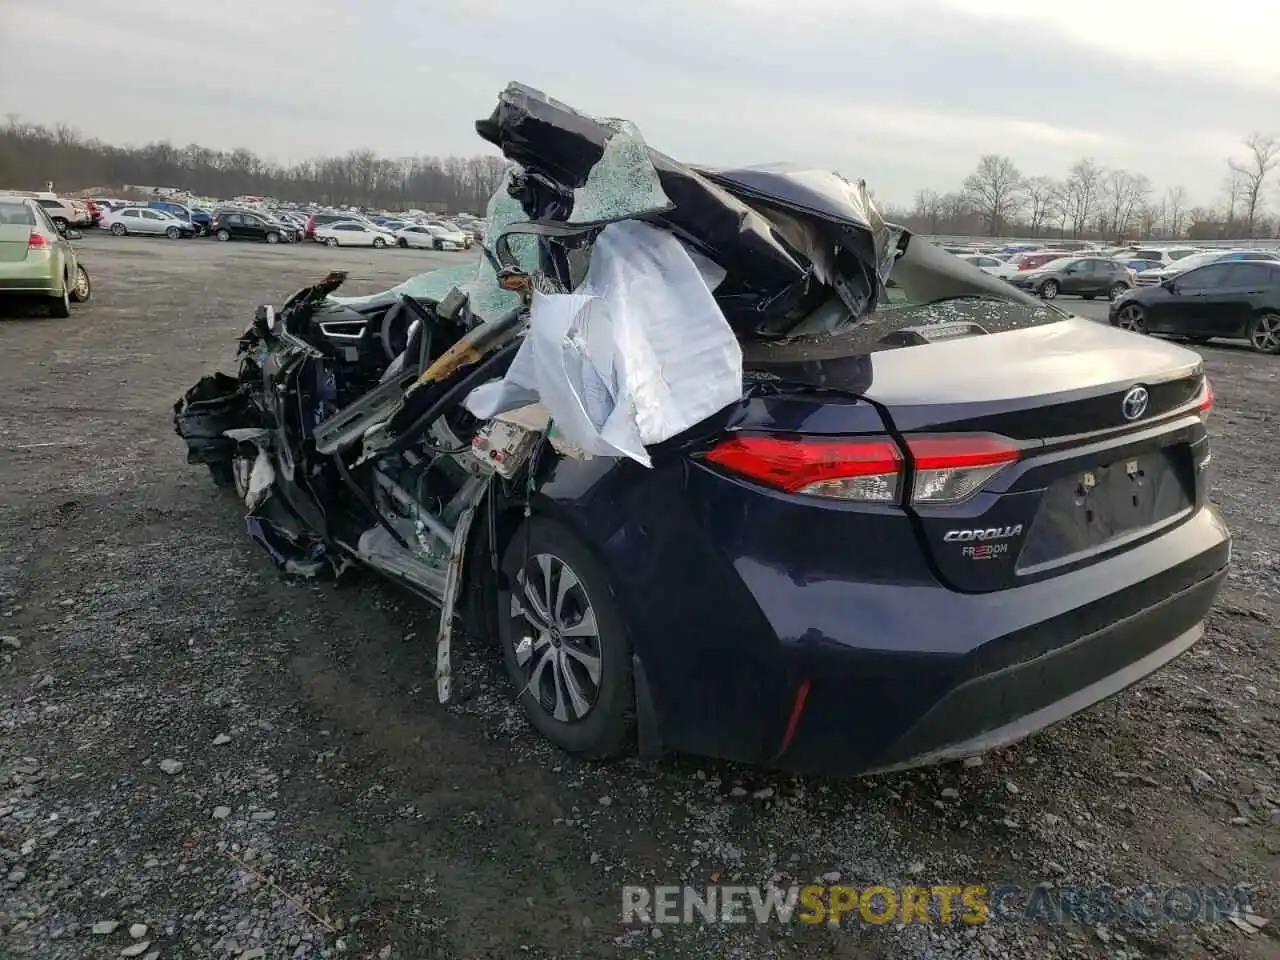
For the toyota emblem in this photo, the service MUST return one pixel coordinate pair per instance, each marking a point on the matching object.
(1134, 403)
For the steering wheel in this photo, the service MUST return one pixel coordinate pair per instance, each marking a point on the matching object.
(393, 333)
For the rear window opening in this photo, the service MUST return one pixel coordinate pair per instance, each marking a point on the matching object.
(932, 296)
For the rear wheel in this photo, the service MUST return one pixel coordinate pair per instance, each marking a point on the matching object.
(437, 245)
(564, 642)
(118, 230)
(61, 223)
(1132, 317)
(379, 242)
(402, 243)
(60, 304)
(331, 241)
(1049, 289)
(273, 238)
(224, 235)
(1117, 291)
(80, 287)
(173, 233)
(1264, 333)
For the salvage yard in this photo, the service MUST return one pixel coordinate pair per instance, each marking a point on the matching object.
(255, 767)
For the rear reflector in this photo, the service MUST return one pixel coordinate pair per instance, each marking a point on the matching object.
(37, 242)
(948, 469)
(1206, 399)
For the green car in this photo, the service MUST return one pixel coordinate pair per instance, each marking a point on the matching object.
(36, 260)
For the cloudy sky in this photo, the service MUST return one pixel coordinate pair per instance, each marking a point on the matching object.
(907, 93)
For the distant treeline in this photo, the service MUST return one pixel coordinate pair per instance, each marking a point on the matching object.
(31, 155)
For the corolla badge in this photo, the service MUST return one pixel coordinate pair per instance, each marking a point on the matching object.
(1134, 403)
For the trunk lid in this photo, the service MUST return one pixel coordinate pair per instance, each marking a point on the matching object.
(1089, 475)
(14, 238)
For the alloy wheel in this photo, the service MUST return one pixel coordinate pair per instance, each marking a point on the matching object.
(558, 649)
(1131, 318)
(1049, 290)
(80, 290)
(1265, 335)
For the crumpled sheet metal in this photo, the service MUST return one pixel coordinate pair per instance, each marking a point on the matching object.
(637, 354)
(563, 144)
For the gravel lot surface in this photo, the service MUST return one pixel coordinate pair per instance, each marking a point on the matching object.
(199, 758)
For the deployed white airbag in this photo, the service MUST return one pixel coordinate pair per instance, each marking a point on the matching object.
(637, 354)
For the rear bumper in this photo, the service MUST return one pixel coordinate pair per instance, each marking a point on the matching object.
(1002, 707)
(968, 673)
(25, 280)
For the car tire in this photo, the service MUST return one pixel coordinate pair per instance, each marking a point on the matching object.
(173, 233)
(81, 289)
(1264, 333)
(1132, 317)
(223, 235)
(273, 237)
(1117, 291)
(330, 241)
(60, 305)
(379, 243)
(119, 229)
(552, 668)
(402, 243)
(1049, 290)
(437, 245)
(61, 223)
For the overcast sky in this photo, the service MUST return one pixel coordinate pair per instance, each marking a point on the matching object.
(906, 93)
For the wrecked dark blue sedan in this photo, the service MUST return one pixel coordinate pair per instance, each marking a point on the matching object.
(935, 515)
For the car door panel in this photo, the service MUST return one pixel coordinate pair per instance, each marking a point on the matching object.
(1197, 293)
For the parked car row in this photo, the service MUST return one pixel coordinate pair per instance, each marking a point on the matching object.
(1103, 272)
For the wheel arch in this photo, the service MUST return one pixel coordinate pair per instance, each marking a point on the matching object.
(497, 522)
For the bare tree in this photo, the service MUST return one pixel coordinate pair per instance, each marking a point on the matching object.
(928, 208)
(1175, 207)
(1136, 193)
(995, 189)
(1233, 192)
(1083, 181)
(955, 207)
(1042, 201)
(1263, 155)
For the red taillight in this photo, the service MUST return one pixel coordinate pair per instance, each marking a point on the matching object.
(1206, 399)
(864, 469)
(37, 242)
(948, 469)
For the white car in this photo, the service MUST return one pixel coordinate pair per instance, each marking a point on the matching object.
(354, 233)
(419, 236)
(448, 237)
(144, 220)
(984, 263)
